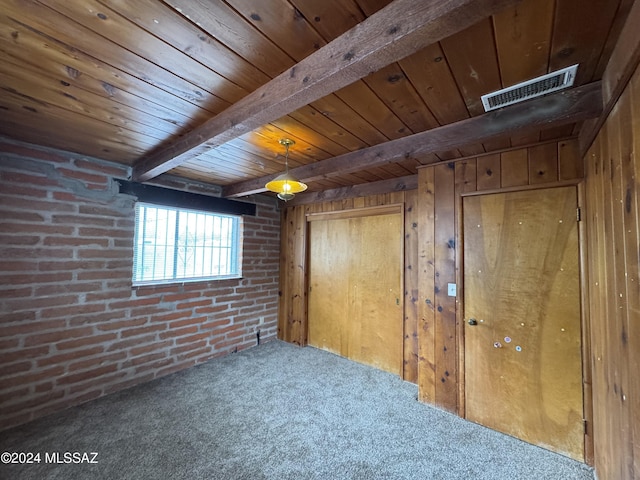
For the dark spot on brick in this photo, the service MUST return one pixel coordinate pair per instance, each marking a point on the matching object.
(102, 16)
(348, 56)
(627, 200)
(317, 19)
(428, 301)
(440, 308)
(66, 84)
(442, 380)
(410, 209)
(31, 109)
(436, 289)
(14, 35)
(437, 59)
(414, 224)
(489, 172)
(305, 79)
(444, 349)
(541, 173)
(451, 165)
(437, 274)
(446, 373)
(451, 243)
(255, 16)
(393, 30)
(394, 78)
(292, 72)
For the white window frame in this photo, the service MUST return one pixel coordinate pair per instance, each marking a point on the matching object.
(191, 246)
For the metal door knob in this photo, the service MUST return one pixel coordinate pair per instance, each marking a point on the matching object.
(472, 321)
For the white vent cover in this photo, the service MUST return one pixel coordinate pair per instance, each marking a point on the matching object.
(536, 87)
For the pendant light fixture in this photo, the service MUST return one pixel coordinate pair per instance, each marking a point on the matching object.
(285, 185)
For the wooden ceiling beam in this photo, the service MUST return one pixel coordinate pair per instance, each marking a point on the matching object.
(395, 32)
(560, 108)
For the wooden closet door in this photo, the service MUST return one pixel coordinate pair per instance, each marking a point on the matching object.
(355, 288)
(523, 360)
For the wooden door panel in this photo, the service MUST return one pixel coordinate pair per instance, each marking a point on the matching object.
(355, 301)
(523, 366)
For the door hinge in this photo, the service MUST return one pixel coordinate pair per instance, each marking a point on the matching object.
(579, 214)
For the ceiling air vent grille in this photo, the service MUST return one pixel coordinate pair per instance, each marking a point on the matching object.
(536, 87)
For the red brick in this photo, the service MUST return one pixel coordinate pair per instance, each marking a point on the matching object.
(71, 265)
(188, 347)
(170, 316)
(30, 327)
(135, 302)
(192, 338)
(199, 303)
(79, 377)
(89, 177)
(215, 324)
(23, 316)
(104, 232)
(73, 310)
(42, 302)
(13, 395)
(56, 336)
(32, 402)
(83, 342)
(175, 297)
(158, 346)
(132, 332)
(65, 357)
(155, 366)
(132, 342)
(101, 360)
(31, 377)
(76, 220)
(39, 228)
(35, 278)
(112, 171)
(188, 321)
(144, 359)
(76, 242)
(23, 354)
(120, 324)
(178, 332)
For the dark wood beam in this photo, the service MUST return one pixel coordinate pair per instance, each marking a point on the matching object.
(395, 32)
(621, 67)
(410, 182)
(561, 108)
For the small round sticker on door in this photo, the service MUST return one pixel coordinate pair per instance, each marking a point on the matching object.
(507, 339)
(518, 348)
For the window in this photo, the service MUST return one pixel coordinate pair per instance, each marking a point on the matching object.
(177, 245)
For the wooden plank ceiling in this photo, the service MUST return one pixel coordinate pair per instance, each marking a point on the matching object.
(128, 81)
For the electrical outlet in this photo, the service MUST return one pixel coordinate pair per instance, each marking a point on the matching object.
(451, 289)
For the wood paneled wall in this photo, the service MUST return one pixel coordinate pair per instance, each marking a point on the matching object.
(612, 169)
(440, 188)
(432, 356)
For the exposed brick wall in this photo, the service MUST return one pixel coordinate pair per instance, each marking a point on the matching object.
(72, 327)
